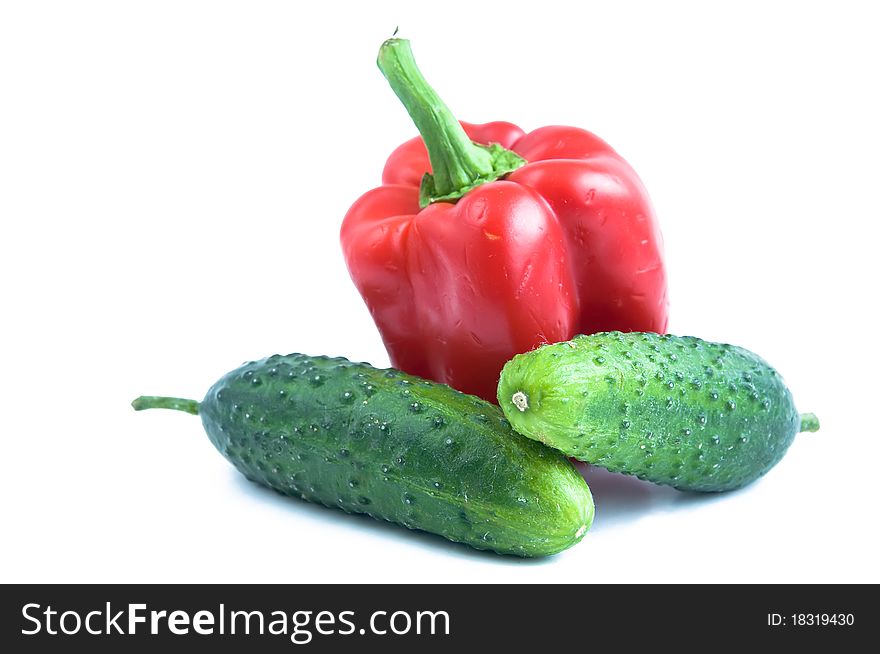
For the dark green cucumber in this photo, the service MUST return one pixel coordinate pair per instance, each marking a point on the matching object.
(672, 410)
(395, 447)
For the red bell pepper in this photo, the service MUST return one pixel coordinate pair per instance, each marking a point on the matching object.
(490, 241)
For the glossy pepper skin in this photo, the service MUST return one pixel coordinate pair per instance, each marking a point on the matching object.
(466, 267)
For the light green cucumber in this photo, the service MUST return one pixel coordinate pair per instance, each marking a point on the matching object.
(395, 447)
(672, 410)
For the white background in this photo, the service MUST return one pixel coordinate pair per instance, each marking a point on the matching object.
(172, 180)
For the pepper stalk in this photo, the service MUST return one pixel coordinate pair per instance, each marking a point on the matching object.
(459, 165)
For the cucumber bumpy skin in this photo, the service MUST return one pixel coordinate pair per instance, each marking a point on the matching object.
(395, 447)
(672, 410)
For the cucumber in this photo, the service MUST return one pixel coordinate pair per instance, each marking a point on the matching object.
(672, 410)
(395, 447)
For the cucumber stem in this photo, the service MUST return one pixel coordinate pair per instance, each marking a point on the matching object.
(809, 422)
(157, 402)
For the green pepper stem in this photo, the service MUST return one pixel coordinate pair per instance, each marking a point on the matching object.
(809, 422)
(175, 403)
(458, 163)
